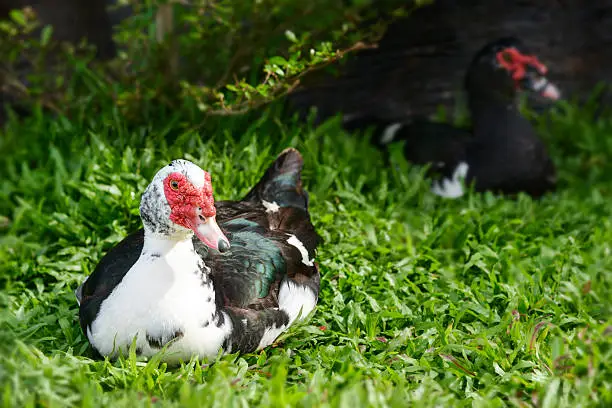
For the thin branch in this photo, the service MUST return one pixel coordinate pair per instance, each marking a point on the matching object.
(244, 107)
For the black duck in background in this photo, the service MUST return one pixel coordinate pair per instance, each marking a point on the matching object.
(501, 152)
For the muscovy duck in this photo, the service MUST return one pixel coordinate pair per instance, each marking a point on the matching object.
(202, 275)
(501, 152)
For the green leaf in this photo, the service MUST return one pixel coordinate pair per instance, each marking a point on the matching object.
(278, 61)
(291, 36)
(45, 35)
(19, 17)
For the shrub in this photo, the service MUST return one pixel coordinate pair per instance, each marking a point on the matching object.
(212, 56)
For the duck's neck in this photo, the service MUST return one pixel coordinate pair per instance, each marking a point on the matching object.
(491, 112)
(155, 243)
(174, 250)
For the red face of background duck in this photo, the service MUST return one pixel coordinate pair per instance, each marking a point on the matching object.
(527, 72)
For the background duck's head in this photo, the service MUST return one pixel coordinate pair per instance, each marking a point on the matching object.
(179, 201)
(504, 67)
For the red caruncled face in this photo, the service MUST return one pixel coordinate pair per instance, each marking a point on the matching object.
(516, 63)
(187, 202)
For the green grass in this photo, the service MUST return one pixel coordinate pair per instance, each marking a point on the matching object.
(482, 301)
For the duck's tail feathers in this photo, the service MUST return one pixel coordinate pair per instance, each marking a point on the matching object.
(281, 185)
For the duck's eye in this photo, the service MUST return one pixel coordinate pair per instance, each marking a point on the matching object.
(174, 185)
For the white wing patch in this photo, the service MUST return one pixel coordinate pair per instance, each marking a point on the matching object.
(452, 188)
(295, 300)
(389, 133)
(271, 207)
(293, 240)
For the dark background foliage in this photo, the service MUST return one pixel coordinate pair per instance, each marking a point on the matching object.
(247, 46)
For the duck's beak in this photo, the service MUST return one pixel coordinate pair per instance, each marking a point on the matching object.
(208, 231)
(541, 86)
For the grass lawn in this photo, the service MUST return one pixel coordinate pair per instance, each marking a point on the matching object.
(482, 301)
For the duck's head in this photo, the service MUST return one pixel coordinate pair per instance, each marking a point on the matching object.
(179, 201)
(506, 66)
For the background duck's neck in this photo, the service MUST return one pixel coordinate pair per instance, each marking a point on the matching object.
(491, 113)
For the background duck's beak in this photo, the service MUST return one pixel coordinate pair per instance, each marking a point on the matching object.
(208, 231)
(550, 91)
(541, 86)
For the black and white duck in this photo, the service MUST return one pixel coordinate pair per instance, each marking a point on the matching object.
(501, 152)
(204, 275)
